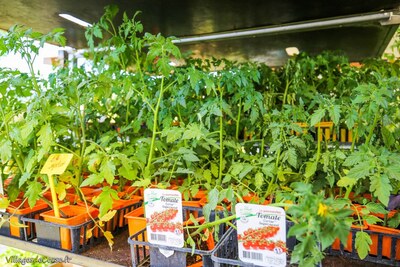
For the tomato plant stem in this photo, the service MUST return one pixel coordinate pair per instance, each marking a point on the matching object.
(238, 119)
(155, 123)
(81, 115)
(15, 157)
(371, 131)
(221, 139)
(285, 93)
(204, 226)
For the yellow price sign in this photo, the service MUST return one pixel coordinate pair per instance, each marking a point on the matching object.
(56, 164)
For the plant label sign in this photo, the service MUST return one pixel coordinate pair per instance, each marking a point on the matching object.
(164, 217)
(56, 164)
(261, 234)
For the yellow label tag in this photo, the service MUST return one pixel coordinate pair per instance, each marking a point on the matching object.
(56, 164)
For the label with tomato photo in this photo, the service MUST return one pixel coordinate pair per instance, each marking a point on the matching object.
(261, 234)
(164, 219)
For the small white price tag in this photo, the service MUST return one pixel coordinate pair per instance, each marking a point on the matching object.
(261, 234)
(164, 217)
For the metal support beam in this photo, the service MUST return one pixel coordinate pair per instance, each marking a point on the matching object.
(55, 253)
(288, 28)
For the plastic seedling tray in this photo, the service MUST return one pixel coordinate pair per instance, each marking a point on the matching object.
(27, 233)
(145, 253)
(379, 258)
(48, 234)
(225, 253)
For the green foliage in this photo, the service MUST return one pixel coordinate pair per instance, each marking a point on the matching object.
(363, 241)
(233, 128)
(318, 221)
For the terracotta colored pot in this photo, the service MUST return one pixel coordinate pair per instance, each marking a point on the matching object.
(25, 209)
(136, 222)
(76, 216)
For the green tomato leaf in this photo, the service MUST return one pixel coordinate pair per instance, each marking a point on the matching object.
(236, 169)
(253, 115)
(247, 168)
(259, 179)
(311, 168)
(212, 198)
(26, 131)
(173, 135)
(298, 229)
(4, 202)
(193, 131)
(128, 173)
(24, 178)
(346, 181)
(317, 116)
(363, 241)
(353, 159)
(381, 188)
(61, 190)
(393, 171)
(361, 170)
(292, 157)
(297, 142)
(107, 169)
(340, 155)
(207, 175)
(105, 200)
(93, 179)
(33, 192)
(190, 157)
(334, 113)
(5, 150)
(388, 137)
(376, 208)
(214, 169)
(45, 138)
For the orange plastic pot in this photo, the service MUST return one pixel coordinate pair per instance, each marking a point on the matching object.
(69, 197)
(120, 205)
(91, 191)
(23, 210)
(76, 215)
(386, 241)
(193, 203)
(197, 264)
(136, 222)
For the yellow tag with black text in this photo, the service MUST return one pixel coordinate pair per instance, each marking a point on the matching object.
(56, 164)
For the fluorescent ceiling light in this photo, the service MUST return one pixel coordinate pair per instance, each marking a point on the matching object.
(75, 20)
(291, 51)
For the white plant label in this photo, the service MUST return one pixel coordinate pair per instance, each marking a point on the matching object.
(261, 234)
(164, 217)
